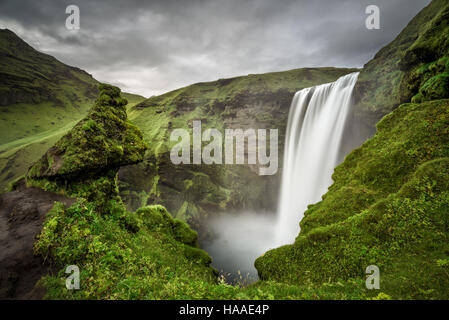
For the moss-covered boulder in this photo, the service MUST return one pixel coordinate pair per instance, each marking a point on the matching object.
(86, 160)
(158, 218)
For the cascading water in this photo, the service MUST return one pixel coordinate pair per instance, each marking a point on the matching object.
(314, 130)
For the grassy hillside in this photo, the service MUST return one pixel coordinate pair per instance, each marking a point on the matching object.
(191, 192)
(40, 99)
(43, 91)
(389, 202)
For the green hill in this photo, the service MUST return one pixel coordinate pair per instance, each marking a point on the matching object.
(40, 99)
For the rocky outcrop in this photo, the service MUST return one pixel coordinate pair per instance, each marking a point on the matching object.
(86, 160)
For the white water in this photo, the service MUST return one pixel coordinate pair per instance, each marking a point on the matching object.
(314, 131)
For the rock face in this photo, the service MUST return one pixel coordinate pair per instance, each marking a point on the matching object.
(191, 192)
(22, 213)
(86, 160)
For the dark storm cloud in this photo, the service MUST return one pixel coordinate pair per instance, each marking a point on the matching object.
(150, 47)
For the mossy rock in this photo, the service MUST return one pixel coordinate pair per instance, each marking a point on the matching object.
(197, 254)
(84, 163)
(157, 217)
(435, 88)
(103, 140)
(183, 233)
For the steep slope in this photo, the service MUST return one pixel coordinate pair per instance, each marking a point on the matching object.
(392, 77)
(44, 91)
(389, 202)
(192, 192)
(40, 99)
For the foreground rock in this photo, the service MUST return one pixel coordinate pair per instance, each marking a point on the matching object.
(22, 213)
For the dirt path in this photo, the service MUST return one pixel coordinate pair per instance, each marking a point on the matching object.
(22, 213)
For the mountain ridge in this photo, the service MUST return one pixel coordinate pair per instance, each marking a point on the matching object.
(41, 98)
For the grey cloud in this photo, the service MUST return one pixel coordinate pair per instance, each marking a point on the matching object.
(151, 47)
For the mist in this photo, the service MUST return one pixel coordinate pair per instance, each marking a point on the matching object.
(238, 241)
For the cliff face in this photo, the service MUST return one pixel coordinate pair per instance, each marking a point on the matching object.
(400, 69)
(389, 202)
(192, 192)
(22, 214)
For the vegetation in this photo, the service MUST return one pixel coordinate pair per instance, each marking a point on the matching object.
(387, 207)
(86, 160)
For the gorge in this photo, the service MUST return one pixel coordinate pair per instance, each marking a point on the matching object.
(316, 123)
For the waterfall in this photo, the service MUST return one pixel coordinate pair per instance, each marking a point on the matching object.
(314, 131)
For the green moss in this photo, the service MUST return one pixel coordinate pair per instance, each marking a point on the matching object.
(84, 162)
(418, 98)
(157, 217)
(183, 233)
(122, 255)
(436, 87)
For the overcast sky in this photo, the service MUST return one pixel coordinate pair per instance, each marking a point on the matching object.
(151, 47)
